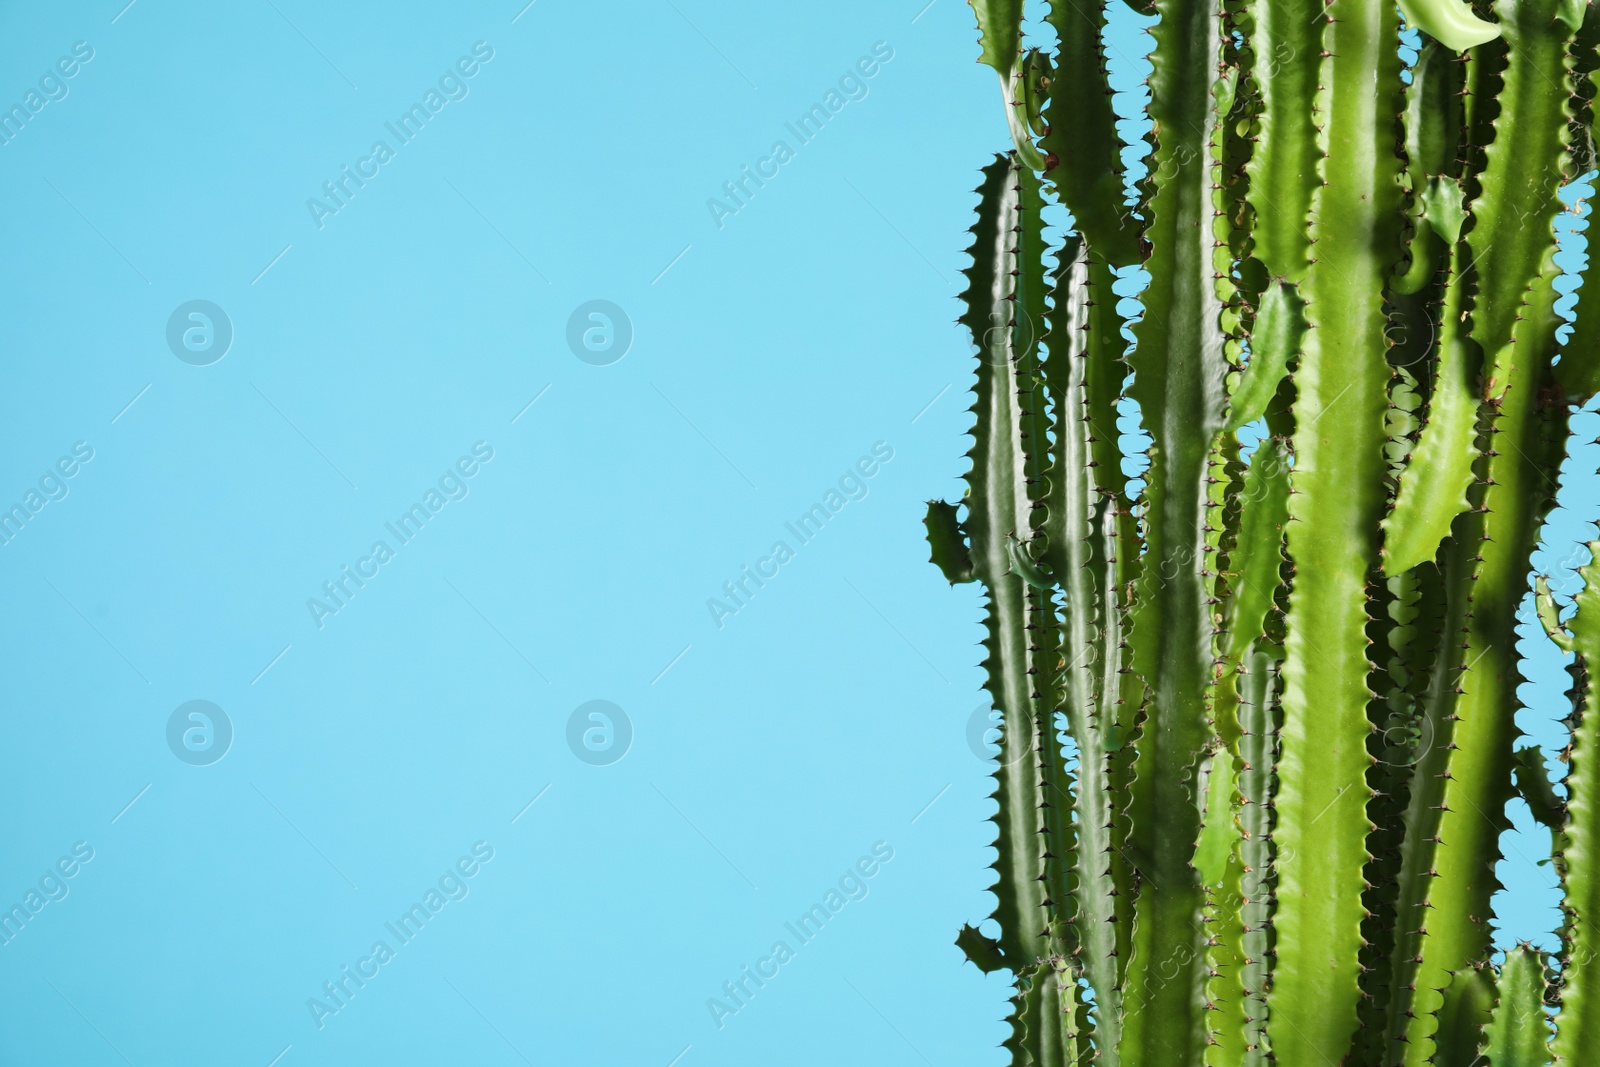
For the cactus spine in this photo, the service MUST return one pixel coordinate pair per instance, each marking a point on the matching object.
(1287, 661)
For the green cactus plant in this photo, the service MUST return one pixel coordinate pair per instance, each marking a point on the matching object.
(1258, 711)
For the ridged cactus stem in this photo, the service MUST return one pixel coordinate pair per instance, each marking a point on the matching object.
(1288, 664)
(1073, 539)
(1258, 756)
(1244, 713)
(1337, 502)
(1283, 168)
(1179, 370)
(1477, 781)
(1058, 838)
(998, 507)
(1429, 760)
(1578, 845)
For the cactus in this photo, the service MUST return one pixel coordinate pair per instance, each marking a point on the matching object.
(1258, 708)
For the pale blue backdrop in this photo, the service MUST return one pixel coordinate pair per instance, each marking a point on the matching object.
(599, 903)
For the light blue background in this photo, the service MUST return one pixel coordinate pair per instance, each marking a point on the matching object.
(829, 714)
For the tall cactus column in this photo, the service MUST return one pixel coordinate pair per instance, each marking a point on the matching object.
(1304, 620)
(1335, 508)
(1179, 370)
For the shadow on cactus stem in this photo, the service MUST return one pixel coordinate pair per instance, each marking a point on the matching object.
(1284, 656)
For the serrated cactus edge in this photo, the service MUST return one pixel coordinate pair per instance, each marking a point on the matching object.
(1258, 710)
